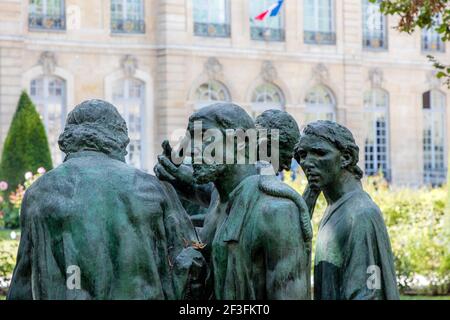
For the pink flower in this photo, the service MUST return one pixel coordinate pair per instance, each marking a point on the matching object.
(3, 185)
(28, 175)
(41, 170)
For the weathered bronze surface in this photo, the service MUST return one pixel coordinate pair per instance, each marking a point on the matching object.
(122, 230)
(259, 228)
(353, 258)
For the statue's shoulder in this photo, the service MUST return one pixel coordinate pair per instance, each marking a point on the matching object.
(272, 186)
(286, 199)
(362, 210)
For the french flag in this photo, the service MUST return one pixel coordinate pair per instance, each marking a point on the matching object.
(272, 11)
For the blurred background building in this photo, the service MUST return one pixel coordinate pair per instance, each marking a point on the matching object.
(159, 60)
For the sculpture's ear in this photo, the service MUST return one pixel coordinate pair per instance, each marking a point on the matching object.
(346, 159)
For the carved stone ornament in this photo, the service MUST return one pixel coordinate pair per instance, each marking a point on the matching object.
(268, 71)
(129, 65)
(376, 77)
(48, 62)
(320, 73)
(213, 68)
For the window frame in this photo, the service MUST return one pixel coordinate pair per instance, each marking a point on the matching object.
(438, 173)
(316, 32)
(136, 26)
(260, 107)
(44, 101)
(198, 104)
(317, 109)
(260, 31)
(45, 22)
(210, 28)
(123, 104)
(384, 28)
(372, 110)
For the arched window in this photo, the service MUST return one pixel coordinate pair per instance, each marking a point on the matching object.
(129, 99)
(320, 105)
(374, 35)
(319, 26)
(376, 143)
(267, 96)
(211, 18)
(271, 28)
(434, 164)
(210, 92)
(127, 16)
(49, 95)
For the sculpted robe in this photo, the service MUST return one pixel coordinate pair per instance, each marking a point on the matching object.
(353, 258)
(260, 249)
(125, 231)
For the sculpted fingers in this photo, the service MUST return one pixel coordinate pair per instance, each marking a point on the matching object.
(162, 173)
(168, 165)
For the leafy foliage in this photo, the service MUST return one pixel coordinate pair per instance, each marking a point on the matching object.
(422, 14)
(10, 210)
(8, 252)
(26, 146)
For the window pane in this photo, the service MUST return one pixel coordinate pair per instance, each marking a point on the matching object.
(129, 99)
(127, 16)
(320, 105)
(319, 21)
(434, 149)
(376, 146)
(211, 18)
(431, 39)
(48, 94)
(374, 33)
(210, 92)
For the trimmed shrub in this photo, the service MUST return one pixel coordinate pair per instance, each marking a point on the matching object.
(26, 145)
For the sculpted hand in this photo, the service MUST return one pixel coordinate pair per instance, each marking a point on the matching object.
(178, 176)
(166, 170)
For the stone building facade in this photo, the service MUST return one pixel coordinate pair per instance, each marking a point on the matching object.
(158, 60)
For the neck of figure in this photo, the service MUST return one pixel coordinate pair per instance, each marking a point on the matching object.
(346, 183)
(231, 179)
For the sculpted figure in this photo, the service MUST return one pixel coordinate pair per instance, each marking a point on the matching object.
(181, 177)
(353, 258)
(97, 228)
(259, 242)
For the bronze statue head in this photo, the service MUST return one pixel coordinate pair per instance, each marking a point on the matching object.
(219, 117)
(289, 133)
(326, 151)
(95, 125)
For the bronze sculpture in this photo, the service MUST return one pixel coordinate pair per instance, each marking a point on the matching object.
(261, 231)
(120, 231)
(353, 258)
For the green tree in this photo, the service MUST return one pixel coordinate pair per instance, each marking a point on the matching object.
(422, 14)
(26, 146)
